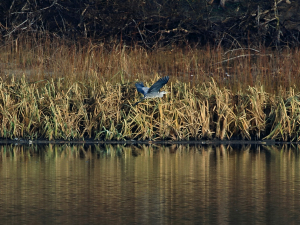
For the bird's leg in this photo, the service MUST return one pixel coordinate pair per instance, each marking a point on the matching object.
(142, 99)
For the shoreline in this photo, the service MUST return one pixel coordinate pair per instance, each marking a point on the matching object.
(137, 142)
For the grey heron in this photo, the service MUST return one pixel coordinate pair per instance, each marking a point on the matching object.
(153, 91)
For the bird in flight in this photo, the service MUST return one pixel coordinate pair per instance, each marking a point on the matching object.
(153, 91)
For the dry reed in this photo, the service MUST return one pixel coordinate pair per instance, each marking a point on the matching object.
(104, 111)
(67, 91)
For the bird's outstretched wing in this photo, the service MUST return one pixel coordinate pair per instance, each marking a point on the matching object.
(158, 84)
(141, 88)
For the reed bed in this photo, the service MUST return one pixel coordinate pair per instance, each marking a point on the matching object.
(104, 111)
(57, 90)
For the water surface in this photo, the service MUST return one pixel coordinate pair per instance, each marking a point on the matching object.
(178, 184)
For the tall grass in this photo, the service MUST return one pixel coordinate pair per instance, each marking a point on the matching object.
(52, 58)
(54, 110)
(57, 90)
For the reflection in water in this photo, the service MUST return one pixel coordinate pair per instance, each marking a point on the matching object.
(149, 184)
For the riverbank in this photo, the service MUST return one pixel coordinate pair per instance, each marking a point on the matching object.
(56, 90)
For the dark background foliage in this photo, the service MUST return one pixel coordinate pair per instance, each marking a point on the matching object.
(155, 23)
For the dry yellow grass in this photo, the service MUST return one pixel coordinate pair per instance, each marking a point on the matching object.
(59, 90)
(101, 110)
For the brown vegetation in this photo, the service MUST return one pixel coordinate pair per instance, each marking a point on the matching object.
(68, 91)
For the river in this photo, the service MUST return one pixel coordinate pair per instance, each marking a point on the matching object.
(149, 184)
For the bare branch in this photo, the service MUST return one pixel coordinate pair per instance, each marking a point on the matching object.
(15, 28)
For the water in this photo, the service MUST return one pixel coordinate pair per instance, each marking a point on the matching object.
(62, 184)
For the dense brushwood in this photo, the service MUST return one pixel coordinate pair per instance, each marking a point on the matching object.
(157, 23)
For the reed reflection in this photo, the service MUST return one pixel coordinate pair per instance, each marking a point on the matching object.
(150, 184)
